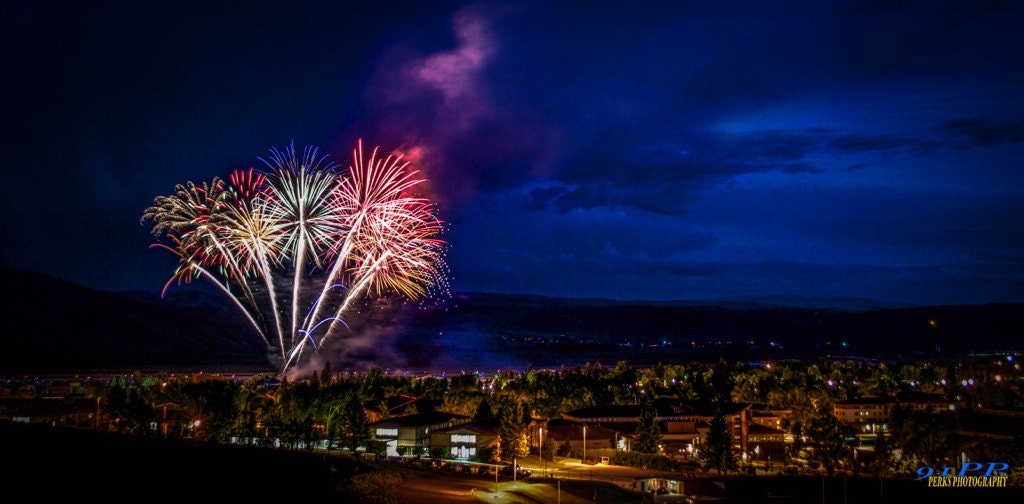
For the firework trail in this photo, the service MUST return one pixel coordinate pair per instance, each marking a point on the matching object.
(294, 246)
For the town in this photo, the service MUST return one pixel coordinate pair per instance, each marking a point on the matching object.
(681, 424)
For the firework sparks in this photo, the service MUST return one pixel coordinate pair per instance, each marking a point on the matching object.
(295, 246)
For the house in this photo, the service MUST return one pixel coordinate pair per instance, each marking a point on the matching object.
(761, 414)
(410, 434)
(471, 440)
(53, 411)
(992, 423)
(765, 443)
(871, 413)
(921, 401)
(580, 437)
(684, 424)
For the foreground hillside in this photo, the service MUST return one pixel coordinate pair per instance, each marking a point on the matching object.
(125, 468)
(54, 326)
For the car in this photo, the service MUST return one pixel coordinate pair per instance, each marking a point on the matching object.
(520, 473)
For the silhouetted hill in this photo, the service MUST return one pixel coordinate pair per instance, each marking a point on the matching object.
(54, 326)
(547, 331)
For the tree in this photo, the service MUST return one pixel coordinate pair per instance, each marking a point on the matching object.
(564, 449)
(717, 451)
(881, 465)
(925, 437)
(827, 435)
(484, 413)
(512, 431)
(130, 409)
(355, 426)
(795, 449)
(214, 402)
(326, 375)
(648, 432)
(722, 382)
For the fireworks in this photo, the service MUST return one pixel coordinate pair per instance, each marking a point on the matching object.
(294, 247)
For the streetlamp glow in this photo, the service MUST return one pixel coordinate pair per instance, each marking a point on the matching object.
(540, 447)
(584, 443)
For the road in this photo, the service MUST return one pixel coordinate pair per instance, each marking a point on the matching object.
(443, 488)
(567, 468)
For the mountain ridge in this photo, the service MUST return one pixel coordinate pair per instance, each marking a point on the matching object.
(53, 325)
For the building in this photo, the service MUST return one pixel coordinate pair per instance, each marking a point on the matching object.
(409, 435)
(765, 443)
(580, 437)
(467, 441)
(684, 424)
(52, 411)
(871, 414)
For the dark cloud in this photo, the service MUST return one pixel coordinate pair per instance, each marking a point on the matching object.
(870, 143)
(981, 132)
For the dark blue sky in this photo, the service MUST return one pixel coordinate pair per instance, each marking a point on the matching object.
(625, 150)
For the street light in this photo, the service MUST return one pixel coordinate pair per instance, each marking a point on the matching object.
(584, 443)
(540, 447)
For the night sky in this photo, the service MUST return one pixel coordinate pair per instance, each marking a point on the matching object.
(623, 150)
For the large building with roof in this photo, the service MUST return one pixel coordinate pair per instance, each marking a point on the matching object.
(684, 426)
(411, 434)
(870, 414)
(469, 441)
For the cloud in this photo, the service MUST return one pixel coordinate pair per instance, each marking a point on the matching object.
(980, 131)
(856, 144)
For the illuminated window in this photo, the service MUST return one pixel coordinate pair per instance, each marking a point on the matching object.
(462, 452)
(464, 438)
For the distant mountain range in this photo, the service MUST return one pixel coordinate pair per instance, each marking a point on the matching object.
(53, 326)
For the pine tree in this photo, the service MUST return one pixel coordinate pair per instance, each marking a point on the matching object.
(326, 376)
(511, 429)
(356, 427)
(648, 432)
(717, 451)
(484, 413)
(828, 438)
(881, 465)
(722, 381)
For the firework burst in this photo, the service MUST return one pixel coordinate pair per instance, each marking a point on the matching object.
(295, 245)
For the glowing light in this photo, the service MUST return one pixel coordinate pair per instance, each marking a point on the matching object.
(295, 246)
